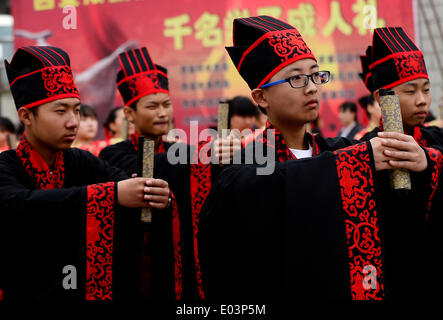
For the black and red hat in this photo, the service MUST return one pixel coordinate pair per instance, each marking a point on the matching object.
(139, 76)
(394, 59)
(366, 74)
(263, 46)
(39, 75)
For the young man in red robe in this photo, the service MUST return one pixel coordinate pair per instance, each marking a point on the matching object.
(302, 220)
(144, 87)
(64, 213)
(394, 62)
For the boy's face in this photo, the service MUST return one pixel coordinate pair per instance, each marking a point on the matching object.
(152, 116)
(55, 125)
(87, 129)
(294, 106)
(346, 117)
(415, 100)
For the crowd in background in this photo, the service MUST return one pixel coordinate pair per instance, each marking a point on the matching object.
(243, 114)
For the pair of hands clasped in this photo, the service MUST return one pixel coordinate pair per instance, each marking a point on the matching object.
(143, 192)
(394, 150)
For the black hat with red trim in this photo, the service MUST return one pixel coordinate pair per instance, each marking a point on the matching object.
(139, 76)
(263, 46)
(366, 74)
(394, 59)
(39, 75)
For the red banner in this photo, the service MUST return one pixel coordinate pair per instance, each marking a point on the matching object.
(188, 38)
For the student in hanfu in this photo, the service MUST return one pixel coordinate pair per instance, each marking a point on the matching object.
(144, 87)
(299, 218)
(394, 62)
(67, 227)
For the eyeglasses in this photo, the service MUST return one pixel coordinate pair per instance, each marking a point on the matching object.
(302, 80)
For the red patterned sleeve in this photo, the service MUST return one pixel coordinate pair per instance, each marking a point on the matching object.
(178, 252)
(435, 164)
(356, 180)
(200, 175)
(101, 202)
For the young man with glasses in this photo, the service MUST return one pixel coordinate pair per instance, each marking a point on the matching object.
(310, 229)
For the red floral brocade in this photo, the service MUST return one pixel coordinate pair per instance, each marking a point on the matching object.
(361, 222)
(200, 176)
(99, 240)
(282, 150)
(134, 141)
(99, 220)
(44, 177)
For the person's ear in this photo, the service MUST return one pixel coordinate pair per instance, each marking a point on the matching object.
(129, 114)
(377, 96)
(25, 116)
(260, 98)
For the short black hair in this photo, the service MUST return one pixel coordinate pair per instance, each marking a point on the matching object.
(365, 101)
(241, 106)
(349, 106)
(6, 125)
(111, 117)
(87, 111)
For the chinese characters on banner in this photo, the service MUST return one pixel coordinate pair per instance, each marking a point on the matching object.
(188, 37)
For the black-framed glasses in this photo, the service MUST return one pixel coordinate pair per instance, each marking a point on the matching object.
(302, 80)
